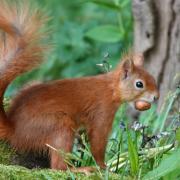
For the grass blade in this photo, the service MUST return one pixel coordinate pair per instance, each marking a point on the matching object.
(169, 164)
(133, 156)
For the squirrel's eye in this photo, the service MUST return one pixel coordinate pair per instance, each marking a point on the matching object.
(139, 84)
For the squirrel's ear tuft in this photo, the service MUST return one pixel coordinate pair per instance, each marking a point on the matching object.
(127, 67)
(138, 59)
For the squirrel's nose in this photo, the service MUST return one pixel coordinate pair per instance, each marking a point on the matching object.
(156, 96)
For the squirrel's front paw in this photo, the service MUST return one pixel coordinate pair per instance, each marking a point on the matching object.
(102, 165)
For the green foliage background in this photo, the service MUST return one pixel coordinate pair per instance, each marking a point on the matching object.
(82, 31)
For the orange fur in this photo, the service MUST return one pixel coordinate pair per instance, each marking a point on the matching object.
(51, 113)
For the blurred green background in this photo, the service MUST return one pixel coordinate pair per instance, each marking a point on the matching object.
(82, 32)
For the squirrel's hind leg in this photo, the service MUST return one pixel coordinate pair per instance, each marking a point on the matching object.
(61, 144)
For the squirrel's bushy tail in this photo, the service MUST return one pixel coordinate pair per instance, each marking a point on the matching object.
(21, 47)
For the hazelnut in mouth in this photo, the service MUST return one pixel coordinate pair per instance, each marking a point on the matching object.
(142, 105)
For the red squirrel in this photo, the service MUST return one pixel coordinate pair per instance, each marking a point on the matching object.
(52, 112)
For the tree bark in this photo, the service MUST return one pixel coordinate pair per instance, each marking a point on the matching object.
(157, 36)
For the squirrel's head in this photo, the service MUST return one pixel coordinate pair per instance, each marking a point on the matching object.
(136, 84)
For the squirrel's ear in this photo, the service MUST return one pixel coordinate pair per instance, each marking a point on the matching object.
(127, 67)
(138, 60)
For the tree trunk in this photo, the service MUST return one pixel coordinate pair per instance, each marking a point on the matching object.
(157, 36)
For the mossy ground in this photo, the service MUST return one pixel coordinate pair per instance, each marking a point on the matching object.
(16, 172)
(6, 153)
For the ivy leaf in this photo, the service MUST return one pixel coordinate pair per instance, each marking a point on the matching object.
(107, 4)
(105, 33)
